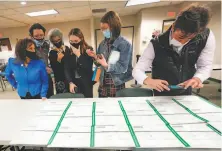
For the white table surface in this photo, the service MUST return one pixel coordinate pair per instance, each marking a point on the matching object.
(15, 115)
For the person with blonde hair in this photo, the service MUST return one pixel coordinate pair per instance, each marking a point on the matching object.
(56, 58)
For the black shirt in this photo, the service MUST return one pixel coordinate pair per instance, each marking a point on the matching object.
(58, 67)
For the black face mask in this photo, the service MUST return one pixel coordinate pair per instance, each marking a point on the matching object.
(31, 55)
(58, 44)
(76, 45)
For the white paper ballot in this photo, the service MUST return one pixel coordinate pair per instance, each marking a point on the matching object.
(157, 139)
(110, 120)
(217, 125)
(201, 127)
(202, 139)
(114, 139)
(182, 119)
(144, 120)
(212, 117)
(111, 128)
(71, 140)
(49, 113)
(42, 123)
(64, 128)
(78, 111)
(32, 138)
(108, 110)
(152, 127)
(80, 121)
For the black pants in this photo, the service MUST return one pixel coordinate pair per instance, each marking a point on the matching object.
(50, 91)
(85, 86)
(28, 96)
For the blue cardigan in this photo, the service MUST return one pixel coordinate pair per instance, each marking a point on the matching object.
(32, 79)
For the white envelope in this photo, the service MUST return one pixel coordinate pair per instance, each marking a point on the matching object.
(201, 127)
(71, 140)
(111, 128)
(157, 139)
(80, 121)
(110, 120)
(114, 139)
(202, 139)
(144, 120)
(32, 138)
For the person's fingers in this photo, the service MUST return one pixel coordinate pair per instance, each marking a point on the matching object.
(189, 83)
(164, 82)
(165, 87)
(159, 88)
(195, 84)
(200, 85)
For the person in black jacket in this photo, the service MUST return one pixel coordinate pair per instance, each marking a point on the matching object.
(56, 58)
(78, 65)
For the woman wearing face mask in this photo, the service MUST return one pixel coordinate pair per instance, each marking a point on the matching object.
(56, 58)
(78, 65)
(27, 73)
(115, 56)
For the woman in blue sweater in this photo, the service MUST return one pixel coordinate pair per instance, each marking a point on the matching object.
(27, 73)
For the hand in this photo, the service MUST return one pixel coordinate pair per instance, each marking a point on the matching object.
(44, 98)
(101, 60)
(76, 51)
(72, 87)
(195, 83)
(91, 53)
(60, 56)
(49, 70)
(157, 84)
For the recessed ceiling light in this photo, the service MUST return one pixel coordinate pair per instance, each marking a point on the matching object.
(42, 13)
(23, 3)
(140, 2)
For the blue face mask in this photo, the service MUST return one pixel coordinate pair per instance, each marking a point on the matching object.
(107, 33)
(39, 42)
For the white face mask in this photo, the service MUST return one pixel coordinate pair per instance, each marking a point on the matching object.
(175, 43)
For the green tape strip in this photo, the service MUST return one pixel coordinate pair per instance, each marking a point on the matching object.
(191, 112)
(178, 136)
(94, 114)
(168, 125)
(209, 102)
(92, 133)
(214, 129)
(59, 123)
(160, 116)
(133, 135)
(92, 136)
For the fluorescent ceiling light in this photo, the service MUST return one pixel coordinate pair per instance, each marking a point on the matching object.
(42, 13)
(140, 2)
(23, 3)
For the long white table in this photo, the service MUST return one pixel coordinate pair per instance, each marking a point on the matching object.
(153, 123)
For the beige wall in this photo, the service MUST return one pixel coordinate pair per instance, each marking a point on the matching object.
(22, 32)
(152, 19)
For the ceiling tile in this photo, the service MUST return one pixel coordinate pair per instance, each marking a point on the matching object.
(23, 18)
(109, 5)
(66, 4)
(33, 8)
(2, 6)
(16, 4)
(7, 12)
(75, 10)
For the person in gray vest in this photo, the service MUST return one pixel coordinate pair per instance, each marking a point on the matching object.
(182, 56)
(37, 33)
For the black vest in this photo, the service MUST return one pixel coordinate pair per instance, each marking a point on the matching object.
(174, 68)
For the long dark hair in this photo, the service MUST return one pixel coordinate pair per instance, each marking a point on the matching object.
(83, 44)
(20, 49)
(114, 22)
